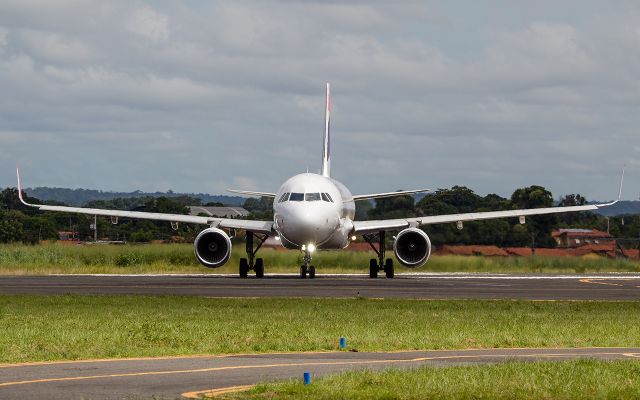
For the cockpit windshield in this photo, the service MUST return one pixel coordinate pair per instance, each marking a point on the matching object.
(305, 197)
(312, 197)
(296, 197)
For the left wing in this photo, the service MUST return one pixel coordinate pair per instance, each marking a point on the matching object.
(248, 225)
(397, 224)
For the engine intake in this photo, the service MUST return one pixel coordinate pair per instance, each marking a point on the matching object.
(412, 247)
(212, 247)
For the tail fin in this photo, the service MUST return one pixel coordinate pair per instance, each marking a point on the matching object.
(326, 141)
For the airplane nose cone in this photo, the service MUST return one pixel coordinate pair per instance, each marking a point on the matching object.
(311, 227)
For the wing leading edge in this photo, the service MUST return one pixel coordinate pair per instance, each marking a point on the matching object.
(397, 224)
(248, 225)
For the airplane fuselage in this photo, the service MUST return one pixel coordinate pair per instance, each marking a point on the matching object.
(313, 209)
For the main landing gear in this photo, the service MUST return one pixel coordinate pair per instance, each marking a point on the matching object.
(306, 267)
(252, 263)
(380, 264)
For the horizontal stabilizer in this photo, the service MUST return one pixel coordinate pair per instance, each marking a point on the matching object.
(388, 194)
(251, 193)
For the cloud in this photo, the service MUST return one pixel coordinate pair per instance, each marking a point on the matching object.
(137, 95)
(147, 22)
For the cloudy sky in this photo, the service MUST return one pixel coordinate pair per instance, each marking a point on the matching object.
(199, 96)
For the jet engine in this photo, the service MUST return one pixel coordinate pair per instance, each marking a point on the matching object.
(213, 247)
(412, 247)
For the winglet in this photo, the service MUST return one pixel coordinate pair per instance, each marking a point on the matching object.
(20, 188)
(621, 181)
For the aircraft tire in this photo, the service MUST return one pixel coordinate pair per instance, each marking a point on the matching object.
(373, 268)
(244, 268)
(259, 268)
(388, 268)
(312, 272)
(303, 271)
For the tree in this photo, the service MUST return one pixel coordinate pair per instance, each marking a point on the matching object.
(539, 227)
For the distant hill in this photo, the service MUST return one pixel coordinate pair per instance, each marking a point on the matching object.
(624, 207)
(79, 197)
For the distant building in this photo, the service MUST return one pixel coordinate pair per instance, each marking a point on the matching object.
(221, 212)
(64, 235)
(581, 237)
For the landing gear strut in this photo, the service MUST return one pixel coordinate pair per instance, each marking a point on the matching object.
(252, 263)
(380, 264)
(306, 267)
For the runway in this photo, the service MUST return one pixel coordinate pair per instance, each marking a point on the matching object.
(419, 286)
(173, 377)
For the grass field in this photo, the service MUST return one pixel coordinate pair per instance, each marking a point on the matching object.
(513, 380)
(79, 327)
(179, 258)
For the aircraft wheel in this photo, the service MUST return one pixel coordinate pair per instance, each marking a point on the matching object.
(244, 268)
(259, 268)
(373, 268)
(312, 272)
(303, 271)
(388, 268)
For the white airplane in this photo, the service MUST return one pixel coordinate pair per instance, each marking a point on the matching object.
(314, 211)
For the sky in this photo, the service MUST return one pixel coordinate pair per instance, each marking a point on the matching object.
(201, 96)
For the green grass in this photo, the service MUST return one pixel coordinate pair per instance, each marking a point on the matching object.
(179, 258)
(79, 327)
(512, 380)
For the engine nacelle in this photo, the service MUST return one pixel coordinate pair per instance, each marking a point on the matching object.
(213, 247)
(412, 247)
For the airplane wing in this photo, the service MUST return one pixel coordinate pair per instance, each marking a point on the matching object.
(388, 194)
(252, 193)
(398, 224)
(247, 225)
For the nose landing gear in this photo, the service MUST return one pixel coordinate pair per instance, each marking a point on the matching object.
(252, 263)
(306, 267)
(380, 264)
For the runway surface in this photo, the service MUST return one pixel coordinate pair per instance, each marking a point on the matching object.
(173, 377)
(421, 286)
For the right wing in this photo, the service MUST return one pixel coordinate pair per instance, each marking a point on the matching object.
(247, 225)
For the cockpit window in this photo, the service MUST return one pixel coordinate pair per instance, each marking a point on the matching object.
(326, 197)
(284, 197)
(312, 197)
(296, 197)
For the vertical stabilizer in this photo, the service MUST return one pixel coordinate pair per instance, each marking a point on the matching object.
(326, 139)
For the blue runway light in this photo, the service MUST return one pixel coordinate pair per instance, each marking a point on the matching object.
(343, 343)
(307, 378)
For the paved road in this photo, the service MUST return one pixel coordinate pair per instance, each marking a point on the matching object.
(425, 286)
(175, 376)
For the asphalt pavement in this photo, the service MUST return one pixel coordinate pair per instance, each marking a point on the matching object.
(176, 377)
(421, 286)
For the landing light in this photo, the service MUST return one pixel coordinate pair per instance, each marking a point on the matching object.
(277, 237)
(353, 237)
(304, 247)
(312, 247)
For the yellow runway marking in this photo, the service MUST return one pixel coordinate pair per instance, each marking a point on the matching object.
(215, 392)
(587, 280)
(313, 363)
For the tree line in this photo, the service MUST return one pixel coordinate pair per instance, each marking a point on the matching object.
(19, 223)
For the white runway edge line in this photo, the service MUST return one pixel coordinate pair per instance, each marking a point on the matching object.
(413, 275)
